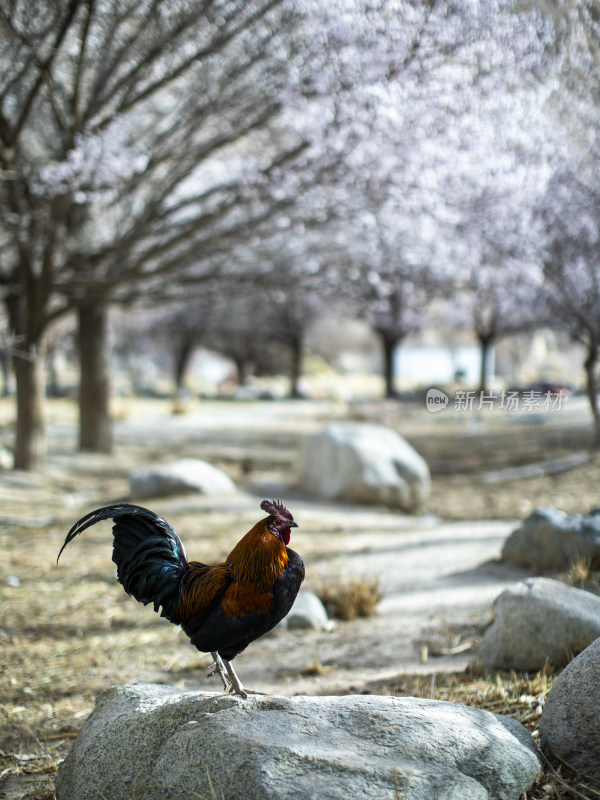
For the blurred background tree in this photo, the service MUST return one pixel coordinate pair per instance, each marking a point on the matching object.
(243, 170)
(115, 124)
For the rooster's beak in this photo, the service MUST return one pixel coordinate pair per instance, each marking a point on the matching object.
(293, 524)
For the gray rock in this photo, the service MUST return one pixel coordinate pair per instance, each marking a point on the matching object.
(180, 477)
(155, 741)
(551, 539)
(570, 722)
(539, 621)
(307, 613)
(364, 464)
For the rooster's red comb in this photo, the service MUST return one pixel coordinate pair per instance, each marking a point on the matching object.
(276, 508)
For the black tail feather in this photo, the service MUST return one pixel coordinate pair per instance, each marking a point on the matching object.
(149, 554)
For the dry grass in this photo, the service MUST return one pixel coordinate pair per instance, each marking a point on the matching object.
(579, 573)
(69, 632)
(349, 598)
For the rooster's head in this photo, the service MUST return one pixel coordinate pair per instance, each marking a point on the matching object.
(279, 521)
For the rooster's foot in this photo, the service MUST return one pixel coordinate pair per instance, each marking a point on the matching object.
(245, 692)
(231, 683)
(236, 684)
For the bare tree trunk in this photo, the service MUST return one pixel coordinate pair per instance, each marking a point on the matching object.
(95, 427)
(28, 368)
(52, 382)
(389, 344)
(242, 366)
(485, 344)
(30, 443)
(183, 354)
(296, 345)
(592, 387)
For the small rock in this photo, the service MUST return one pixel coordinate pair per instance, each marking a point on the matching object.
(180, 477)
(551, 539)
(539, 621)
(307, 613)
(179, 744)
(364, 464)
(570, 722)
(7, 458)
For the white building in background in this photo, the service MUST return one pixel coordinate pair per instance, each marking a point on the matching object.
(422, 365)
(514, 361)
(440, 355)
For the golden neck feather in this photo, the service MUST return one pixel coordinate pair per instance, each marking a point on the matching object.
(258, 558)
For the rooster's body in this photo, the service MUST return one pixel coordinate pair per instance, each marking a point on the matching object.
(222, 608)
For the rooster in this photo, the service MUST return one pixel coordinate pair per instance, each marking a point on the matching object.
(222, 608)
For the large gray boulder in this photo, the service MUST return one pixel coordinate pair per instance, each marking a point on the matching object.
(307, 613)
(154, 742)
(570, 722)
(551, 539)
(364, 464)
(539, 621)
(180, 477)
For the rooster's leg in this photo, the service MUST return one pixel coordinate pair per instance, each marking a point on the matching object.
(219, 668)
(236, 684)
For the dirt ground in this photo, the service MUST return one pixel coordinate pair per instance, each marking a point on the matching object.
(67, 632)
